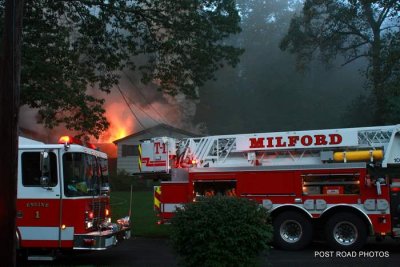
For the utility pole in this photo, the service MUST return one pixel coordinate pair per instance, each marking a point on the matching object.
(10, 69)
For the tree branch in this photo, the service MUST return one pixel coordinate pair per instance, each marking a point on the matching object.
(356, 31)
(353, 59)
(385, 12)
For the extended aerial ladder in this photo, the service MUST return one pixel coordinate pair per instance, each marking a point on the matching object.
(380, 145)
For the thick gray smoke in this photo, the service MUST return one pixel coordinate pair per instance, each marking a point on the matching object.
(130, 107)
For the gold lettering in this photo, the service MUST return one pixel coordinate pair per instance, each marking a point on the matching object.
(37, 204)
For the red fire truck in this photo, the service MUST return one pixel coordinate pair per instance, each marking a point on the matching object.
(63, 200)
(341, 183)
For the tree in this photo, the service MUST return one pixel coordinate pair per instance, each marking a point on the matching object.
(10, 59)
(355, 29)
(72, 48)
(265, 92)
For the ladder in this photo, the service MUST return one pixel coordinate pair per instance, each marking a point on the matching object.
(224, 151)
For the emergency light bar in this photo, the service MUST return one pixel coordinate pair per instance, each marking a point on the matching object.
(68, 140)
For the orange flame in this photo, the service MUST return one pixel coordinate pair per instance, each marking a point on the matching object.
(121, 123)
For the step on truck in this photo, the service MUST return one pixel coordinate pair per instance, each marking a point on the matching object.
(341, 183)
(63, 200)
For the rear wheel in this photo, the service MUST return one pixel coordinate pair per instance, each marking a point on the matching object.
(21, 256)
(346, 231)
(292, 230)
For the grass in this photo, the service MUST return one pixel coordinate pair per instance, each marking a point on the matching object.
(143, 217)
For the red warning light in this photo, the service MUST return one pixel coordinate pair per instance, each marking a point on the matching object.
(66, 139)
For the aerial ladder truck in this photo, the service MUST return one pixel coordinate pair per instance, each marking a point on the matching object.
(343, 183)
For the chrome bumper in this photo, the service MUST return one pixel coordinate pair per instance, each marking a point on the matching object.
(101, 240)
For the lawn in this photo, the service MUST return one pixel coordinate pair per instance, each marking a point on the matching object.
(143, 217)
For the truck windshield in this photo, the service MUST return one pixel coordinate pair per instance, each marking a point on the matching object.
(84, 174)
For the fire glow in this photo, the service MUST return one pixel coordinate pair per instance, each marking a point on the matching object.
(121, 123)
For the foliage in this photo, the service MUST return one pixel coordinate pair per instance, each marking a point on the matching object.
(265, 92)
(72, 48)
(220, 231)
(354, 29)
(358, 112)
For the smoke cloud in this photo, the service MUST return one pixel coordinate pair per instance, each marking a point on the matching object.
(130, 107)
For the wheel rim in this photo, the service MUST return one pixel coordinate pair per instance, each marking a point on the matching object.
(291, 231)
(345, 233)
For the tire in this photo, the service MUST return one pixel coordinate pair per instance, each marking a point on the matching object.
(292, 230)
(346, 231)
(21, 257)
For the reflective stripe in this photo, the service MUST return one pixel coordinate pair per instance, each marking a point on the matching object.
(140, 164)
(157, 189)
(140, 158)
(153, 163)
(157, 203)
(45, 233)
(157, 196)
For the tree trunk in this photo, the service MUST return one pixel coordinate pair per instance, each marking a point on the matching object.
(377, 80)
(378, 88)
(10, 63)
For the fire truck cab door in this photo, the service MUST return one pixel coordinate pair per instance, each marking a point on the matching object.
(38, 198)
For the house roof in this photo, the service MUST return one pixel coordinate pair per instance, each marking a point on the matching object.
(109, 148)
(155, 128)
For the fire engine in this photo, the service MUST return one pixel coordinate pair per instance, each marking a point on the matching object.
(63, 200)
(343, 184)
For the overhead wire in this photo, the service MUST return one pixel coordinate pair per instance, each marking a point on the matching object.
(142, 110)
(164, 120)
(137, 107)
(133, 113)
(126, 98)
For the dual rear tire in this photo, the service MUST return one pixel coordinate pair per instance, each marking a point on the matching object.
(292, 230)
(346, 231)
(343, 231)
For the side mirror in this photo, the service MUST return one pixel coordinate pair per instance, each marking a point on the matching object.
(45, 169)
(44, 181)
(105, 189)
(44, 155)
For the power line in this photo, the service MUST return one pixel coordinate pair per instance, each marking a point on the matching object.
(133, 113)
(126, 98)
(141, 109)
(164, 120)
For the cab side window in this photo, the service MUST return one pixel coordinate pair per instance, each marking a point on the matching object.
(33, 169)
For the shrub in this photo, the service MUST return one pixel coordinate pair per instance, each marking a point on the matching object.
(220, 231)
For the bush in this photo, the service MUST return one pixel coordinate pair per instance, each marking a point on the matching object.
(220, 231)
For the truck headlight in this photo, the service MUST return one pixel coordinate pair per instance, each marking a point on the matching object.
(89, 224)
